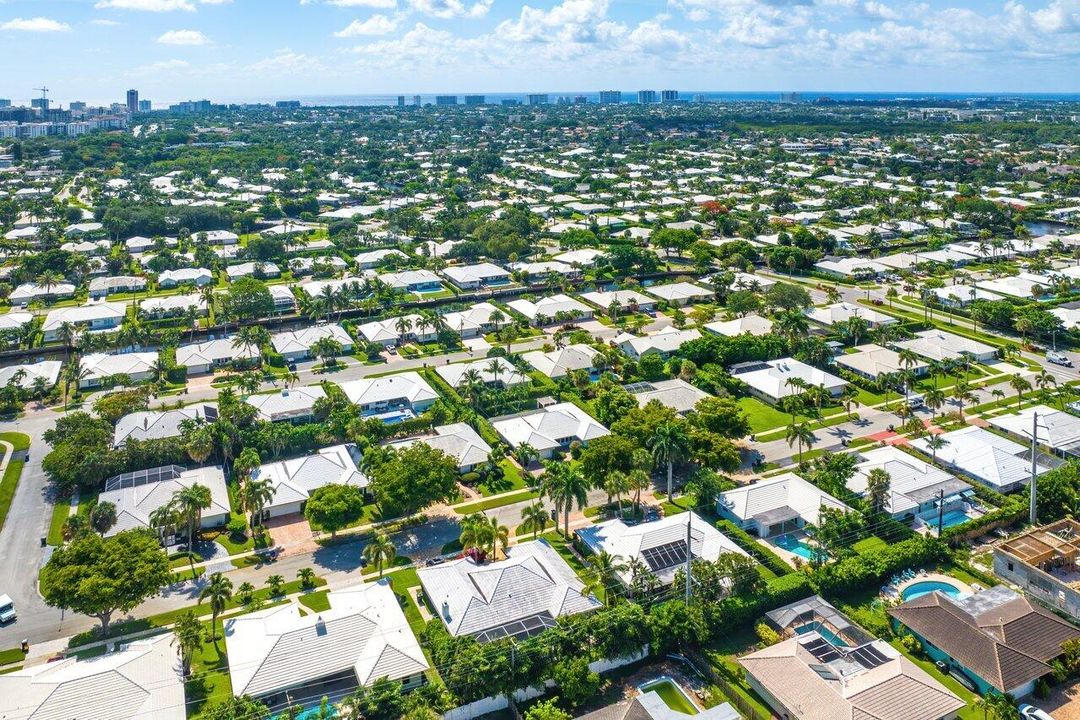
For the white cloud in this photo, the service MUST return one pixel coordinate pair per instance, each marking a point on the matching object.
(35, 24)
(569, 21)
(445, 9)
(380, 4)
(146, 5)
(162, 67)
(183, 37)
(104, 22)
(287, 62)
(374, 25)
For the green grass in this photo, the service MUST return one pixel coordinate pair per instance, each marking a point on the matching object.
(60, 512)
(8, 485)
(512, 479)
(14, 655)
(316, 601)
(870, 545)
(399, 561)
(761, 415)
(495, 502)
(20, 441)
(210, 682)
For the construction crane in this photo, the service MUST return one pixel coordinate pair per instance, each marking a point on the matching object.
(44, 98)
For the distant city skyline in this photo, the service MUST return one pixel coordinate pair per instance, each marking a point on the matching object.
(248, 50)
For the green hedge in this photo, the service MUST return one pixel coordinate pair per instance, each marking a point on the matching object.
(1014, 510)
(274, 359)
(860, 572)
(759, 552)
(177, 374)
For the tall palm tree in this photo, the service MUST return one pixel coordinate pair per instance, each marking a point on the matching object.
(380, 552)
(534, 518)
(474, 531)
(190, 502)
(934, 399)
(802, 435)
(935, 443)
(1020, 385)
(163, 518)
(187, 637)
(565, 485)
(639, 481)
(217, 593)
(669, 444)
(616, 485)
(878, 483)
(199, 444)
(604, 569)
(498, 535)
(255, 495)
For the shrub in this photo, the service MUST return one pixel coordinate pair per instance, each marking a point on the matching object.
(759, 552)
(274, 359)
(862, 571)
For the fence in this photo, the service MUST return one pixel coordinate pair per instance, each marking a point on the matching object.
(730, 692)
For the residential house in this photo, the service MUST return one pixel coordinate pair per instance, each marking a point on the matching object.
(752, 324)
(851, 268)
(136, 367)
(919, 492)
(294, 480)
(997, 462)
(549, 429)
(999, 639)
(776, 506)
(28, 292)
(939, 345)
(776, 379)
(137, 495)
(160, 424)
(393, 331)
(473, 277)
(661, 544)
(476, 320)
(253, 269)
(874, 362)
(283, 652)
(95, 317)
(47, 370)
(173, 306)
(680, 294)
(374, 258)
(205, 357)
(458, 440)
(391, 397)
(841, 312)
(289, 405)
(493, 371)
(561, 361)
(1057, 430)
(517, 597)
(102, 286)
(199, 277)
(545, 310)
(296, 345)
(412, 281)
(537, 271)
(662, 342)
(676, 394)
(1043, 562)
(624, 300)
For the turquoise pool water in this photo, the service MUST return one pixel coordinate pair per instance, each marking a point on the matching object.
(795, 545)
(823, 631)
(926, 587)
(953, 517)
(309, 714)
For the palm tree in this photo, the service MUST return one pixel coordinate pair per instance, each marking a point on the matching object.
(604, 569)
(669, 444)
(498, 535)
(639, 482)
(199, 444)
(255, 495)
(565, 485)
(190, 502)
(934, 399)
(103, 517)
(251, 338)
(48, 279)
(1020, 385)
(187, 637)
(380, 552)
(877, 489)
(306, 576)
(534, 518)
(470, 383)
(163, 518)
(524, 454)
(935, 443)
(75, 526)
(474, 531)
(403, 325)
(217, 592)
(616, 485)
(802, 435)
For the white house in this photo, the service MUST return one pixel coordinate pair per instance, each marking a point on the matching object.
(549, 429)
(173, 305)
(140, 680)
(663, 342)
(472, 277)
(137, 495)
(136, 366)
(676, 394)
(916, 489)
(543, 311)
(493, 371)
(476, 320)
(458, 440)
(517, 597)
(198, 277)
(997, 462)
(28, 292)
(294, 480)
(660, 544)
(559, 362)
(841, 312)
(49, 370)
(282, 652)
(539, 270)
(940, 345)
(680, 293)
(253, 269)
(776, 505)
(752, 324)
(770, 379)
(1056, 429)
(851, 267)
(296, 345)
(386, 332)
(204, 357)
(412, 281)
(290, 404)
(100, 316)
(158, 424)
(873, 361)
(374, 258)
(102, 286)
(630, 300)
(391, 397)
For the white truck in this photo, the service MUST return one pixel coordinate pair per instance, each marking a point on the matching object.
(7, 610)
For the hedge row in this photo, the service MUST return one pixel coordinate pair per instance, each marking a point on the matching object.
(860, 572)
(1014, 510)
(759, 552)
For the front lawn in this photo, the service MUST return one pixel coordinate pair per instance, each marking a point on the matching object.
(761, 415)
(490, 503)
(512, 479)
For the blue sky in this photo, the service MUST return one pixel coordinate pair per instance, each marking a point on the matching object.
(94, 50)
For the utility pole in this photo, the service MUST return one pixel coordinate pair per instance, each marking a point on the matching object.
(1034, 446)
(689, 554)
(940, 511)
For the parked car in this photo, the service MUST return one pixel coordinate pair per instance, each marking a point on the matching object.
(1058, 358)
(1030, 712)
(7, 610)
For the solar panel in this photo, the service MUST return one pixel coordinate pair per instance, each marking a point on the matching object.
(665, 556)
(868, 656)
(822, 649)
(518, 629)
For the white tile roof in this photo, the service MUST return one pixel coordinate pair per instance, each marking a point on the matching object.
(630, 541)
(136, 503)
(474, 318)
(623, 298)
(548, 307)
(787, 490)
(402, 386)
(100, 365)
(199, 276)
(14, 320)
(771, 379)
(908, 476)
(287, 404)
(666, 340)
(940, 345)
(676, 394)
(405, 278)
(173, 303)
(206, 353)
(544, 428)
(155, 424)
(753, 324)
(458, 440)
(83, 314)
(508, 374)
(680, 291)
(842, 311)
(534, 579)
(385, 330)
(303, 339)
(559, 362)
(140, 681)
(364, 631)
(874, 360)
(294, 480)
(990, 458)
(1057, 429)
(543, 268)
(48, 369)
(472, 274)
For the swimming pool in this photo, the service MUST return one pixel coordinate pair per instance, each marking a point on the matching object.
(953, 517)
(309, 714)
(392, 417)
(833, 639)
(672, 695)
(925, 587)
(796, 546)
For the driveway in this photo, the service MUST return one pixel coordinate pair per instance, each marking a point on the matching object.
(1063, 703)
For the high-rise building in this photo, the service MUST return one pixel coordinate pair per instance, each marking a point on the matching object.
(145, 106)
(645, 97)
(790, 97)
(699, 98)
(510, 102)
(446, 99)
(669, 96)
(538, 99)
(5, 102)
(417, 101)
(401, 101)
(40, 103)
(474, 100)
(610, 97)
(133, 101)
(287, 104)
(76, 106)
(580, 99)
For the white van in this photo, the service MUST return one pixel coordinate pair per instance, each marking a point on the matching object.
(7, 610)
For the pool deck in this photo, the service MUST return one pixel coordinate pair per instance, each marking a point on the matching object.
(785, 554)
(933, 577)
